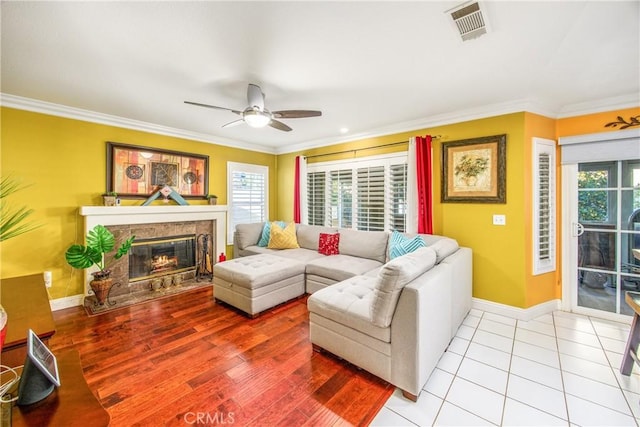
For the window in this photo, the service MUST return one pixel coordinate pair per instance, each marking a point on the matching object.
(544, 206)
(248, 195)
(365, 194)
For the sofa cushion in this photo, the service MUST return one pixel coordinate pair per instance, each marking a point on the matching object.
(328, 244)
(248, 234)
(283, 238)
(266, 233)
(364, 244)
(348, 303)
(444, 247)
(393, 276)
(341, 267)
(309, 235)
(299, 254)
(400, 245)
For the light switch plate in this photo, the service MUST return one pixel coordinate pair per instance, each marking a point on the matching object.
(499, 220)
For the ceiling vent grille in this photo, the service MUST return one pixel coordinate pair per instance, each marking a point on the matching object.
(469, 20)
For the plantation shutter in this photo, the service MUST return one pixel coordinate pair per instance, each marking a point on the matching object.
(247, 194)
(397, 207)
(340, 198)
(544, 183)
(370, 198)
(316, 198)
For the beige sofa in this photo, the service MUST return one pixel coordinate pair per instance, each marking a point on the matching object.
(393, 318)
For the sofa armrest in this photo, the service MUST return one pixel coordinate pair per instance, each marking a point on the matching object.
(461, 264)
(420, 328)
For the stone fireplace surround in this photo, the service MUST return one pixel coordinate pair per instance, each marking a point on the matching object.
(154, 221)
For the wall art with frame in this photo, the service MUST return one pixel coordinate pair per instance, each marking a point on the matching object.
(137, 172)
(474, 170)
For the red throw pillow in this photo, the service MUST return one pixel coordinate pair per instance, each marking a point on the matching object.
(329, 244)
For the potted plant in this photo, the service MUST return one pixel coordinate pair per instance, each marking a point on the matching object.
(110, 198)
(99, 242)
(213, 199)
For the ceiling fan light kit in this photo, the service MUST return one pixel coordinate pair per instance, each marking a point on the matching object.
(256, 116)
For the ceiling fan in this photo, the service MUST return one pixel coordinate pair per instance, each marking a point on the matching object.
(255, 115)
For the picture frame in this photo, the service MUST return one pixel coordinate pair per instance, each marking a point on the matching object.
(137, 172)
(474, 170)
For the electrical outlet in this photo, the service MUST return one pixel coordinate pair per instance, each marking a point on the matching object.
(48, 279)
(499, 220)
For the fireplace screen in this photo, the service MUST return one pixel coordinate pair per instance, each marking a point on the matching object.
(160, 256)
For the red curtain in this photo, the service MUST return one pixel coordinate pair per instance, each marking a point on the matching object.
(423, 171)
(296, 193)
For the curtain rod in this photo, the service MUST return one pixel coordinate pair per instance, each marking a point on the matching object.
(355, 150)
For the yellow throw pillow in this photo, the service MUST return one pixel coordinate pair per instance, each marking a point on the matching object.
(280, 238)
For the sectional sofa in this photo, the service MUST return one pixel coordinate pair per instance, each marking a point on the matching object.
(383, 303)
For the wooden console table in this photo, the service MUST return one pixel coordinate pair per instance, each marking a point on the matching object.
(71, 404)
(26, 302)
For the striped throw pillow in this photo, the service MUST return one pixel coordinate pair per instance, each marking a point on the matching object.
(400, 245)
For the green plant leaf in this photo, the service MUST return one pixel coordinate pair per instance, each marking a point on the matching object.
(101, 239)
(79, 256)
(122, 250)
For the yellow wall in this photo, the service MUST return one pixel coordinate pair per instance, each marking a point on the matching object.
(64, 162)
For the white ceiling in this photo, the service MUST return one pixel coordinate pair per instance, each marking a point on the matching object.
(373, 67)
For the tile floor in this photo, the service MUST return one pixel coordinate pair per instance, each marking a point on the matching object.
(558, 369)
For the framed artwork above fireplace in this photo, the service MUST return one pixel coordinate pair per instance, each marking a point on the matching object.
(137, 172)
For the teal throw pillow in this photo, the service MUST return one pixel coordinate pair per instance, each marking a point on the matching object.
(400, 245)
(266, 232)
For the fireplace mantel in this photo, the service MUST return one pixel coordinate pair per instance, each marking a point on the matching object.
(127, 215)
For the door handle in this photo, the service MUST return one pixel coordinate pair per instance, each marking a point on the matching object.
(578, 229)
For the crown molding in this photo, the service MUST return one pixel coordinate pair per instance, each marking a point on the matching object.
(37, 106)
(600, 106)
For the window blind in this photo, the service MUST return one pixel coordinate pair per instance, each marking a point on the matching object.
(544, 206)
(370, 198)
(316, 187)
(247, 194)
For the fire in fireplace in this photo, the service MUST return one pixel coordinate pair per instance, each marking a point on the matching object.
(161, 255)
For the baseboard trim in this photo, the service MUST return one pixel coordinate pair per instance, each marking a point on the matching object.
(524, 314)
(66, 302)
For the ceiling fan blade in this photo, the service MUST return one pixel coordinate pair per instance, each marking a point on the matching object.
(233, 123)
(255, 97)
(296, 114)
(212, 106)
(279, 125)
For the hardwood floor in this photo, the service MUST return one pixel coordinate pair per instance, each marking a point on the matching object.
(186, 360)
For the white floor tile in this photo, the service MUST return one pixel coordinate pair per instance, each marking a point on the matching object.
(537, 395)
(489, 356)
(539, 327)
(573, 321)
(545, 318)
(480, 401)
(475, 312)
(465, 332)
(584, 413)
(578, 336)
(614, 345)
(596, 392)
(483, 375)
(386, 418)
(618, 331)
(537, 372)
(537, 354)
(451, 415)
(535, 338)
(633, 399)
(422, 413)
(439, 383)
(458, 346)
(471, 321)
(629, 383)
(588, 369)
(583, 351)
(493, 340)
(496, 327)
(519, 414)
(499, 318)
(449, 362)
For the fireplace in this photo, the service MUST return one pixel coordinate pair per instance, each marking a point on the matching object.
(153, 224)
(160, 256)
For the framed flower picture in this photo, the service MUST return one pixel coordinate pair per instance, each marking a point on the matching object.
(474, 170)
(134, 171)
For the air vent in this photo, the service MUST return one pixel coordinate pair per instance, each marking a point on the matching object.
(469, 20)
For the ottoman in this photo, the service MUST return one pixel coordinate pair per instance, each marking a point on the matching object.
(256, 283)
